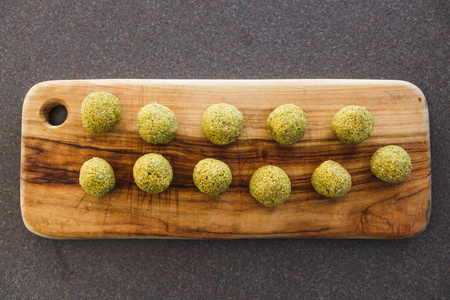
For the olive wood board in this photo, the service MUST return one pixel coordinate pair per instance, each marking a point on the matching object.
(54, 205)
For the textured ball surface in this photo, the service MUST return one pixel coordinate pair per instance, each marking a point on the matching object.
(97, 177)
(332, 180)
(212, 176)
(157, 124)
(391, 164)
(353, 124)
(222, 123)
(270, 186)
(152, 173)
(100, 111)
(287, 124)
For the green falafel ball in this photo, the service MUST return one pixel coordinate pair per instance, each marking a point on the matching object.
(152, 173)
(353, 124)
(270, 186)
(157, 124)
(97, 177)
(330, 179)
(287, 124)
(391, 164)
(222, 123)
(100, 111)
(212, 176)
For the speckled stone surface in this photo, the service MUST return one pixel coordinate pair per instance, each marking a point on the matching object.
(386, 39)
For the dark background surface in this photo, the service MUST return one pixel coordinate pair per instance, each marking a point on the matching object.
(44, 40)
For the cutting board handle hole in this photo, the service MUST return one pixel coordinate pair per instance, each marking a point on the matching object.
(54, 112)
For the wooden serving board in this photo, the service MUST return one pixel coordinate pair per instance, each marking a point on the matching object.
(55, 206)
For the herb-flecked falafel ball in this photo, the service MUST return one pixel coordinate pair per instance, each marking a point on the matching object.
(287, 124)
(270, 185)
(152, 173)
(100, 111)
(391, 164)
(157, 124)
(222, 123)
(353, 124)
(97, 177)
(330, 179)
(212, 176)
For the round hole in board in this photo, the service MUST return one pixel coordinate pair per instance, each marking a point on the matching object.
(55, 113)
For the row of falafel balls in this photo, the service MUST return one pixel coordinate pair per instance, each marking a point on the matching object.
(222, 124)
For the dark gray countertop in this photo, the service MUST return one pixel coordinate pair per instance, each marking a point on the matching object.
(44, 40)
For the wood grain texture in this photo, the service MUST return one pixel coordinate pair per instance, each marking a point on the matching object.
(54, 205)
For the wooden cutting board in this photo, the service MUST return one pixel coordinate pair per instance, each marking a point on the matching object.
(55, 206)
